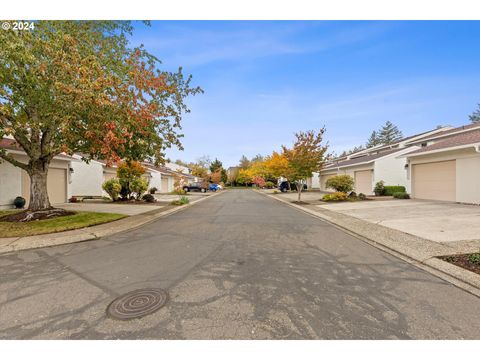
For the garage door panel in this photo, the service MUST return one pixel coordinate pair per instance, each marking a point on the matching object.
(363, 182)
(435, 181)
(324, 179)
(56, 186)
(164, 185)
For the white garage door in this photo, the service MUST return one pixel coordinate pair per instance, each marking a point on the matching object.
(56, 186)
(363, 182)
(434, 181)
(324, 179)
(164, 185)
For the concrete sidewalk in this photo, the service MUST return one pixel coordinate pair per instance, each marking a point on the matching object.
(93, 232)
(411, 248)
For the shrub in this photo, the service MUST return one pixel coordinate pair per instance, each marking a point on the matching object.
(259, 181)
(128, 172)
(275, 191)
(153, 190)
(148, 198)
(269, 185)
(341, 183)
(336, 196)
(379, 188)
(112, 187)
(362, 196)
(138, 186)
(401, 195)
(73, 199)
(352, 195)
(182, 201)
(474, 258)
(390, 190)
(179, 192)
(19, 202)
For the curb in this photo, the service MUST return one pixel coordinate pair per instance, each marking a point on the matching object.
(459, 277)
(91, 233)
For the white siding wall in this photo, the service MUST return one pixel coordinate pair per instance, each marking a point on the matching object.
(392, 170)
(315, 181)
(155, 180)
(86, 179)
(10, 184)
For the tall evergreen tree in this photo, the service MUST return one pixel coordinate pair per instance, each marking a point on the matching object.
(389, 133)
(373, 140)
(475, 116)
(244, 162)
(216, 165)
(257, 158)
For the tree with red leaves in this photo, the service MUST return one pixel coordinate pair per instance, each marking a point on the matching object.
(77, 86)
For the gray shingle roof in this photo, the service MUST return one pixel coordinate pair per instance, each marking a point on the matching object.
(361, 159)
(467, 138)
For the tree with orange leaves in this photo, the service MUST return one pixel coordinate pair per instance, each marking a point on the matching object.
(77, 86)
(305, 157)
(276, 165)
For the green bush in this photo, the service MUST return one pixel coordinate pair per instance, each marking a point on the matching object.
(362, 196)
(269, 185)
(474, 258)
(153, 190)
(178, 192)
(182, 201)
(148, 198)
(401, 195)
(112, 187)
(390, 190)
(138, 186)
(341, 183)
(128, 173)
(336, 196)
(379, 188)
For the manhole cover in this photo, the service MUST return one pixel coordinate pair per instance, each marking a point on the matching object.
(137, 304)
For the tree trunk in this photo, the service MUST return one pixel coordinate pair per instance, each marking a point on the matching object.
(38, 186)
(299, 189)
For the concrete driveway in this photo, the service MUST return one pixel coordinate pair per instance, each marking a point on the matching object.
(432, 220)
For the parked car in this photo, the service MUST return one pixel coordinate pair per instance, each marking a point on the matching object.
(285, 186)
(214, 187)
(196, 186)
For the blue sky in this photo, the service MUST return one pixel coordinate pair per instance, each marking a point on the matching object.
(265, 80)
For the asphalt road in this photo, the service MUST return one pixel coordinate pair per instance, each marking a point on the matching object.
(236, 266)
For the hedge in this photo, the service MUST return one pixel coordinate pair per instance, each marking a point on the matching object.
(390, 190)
(401, 195)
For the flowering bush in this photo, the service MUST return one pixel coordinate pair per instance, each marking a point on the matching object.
(336, 196)
(259, 181)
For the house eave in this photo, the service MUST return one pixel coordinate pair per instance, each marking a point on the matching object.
(476, 146)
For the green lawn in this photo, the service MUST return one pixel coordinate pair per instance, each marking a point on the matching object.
(76, 221)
